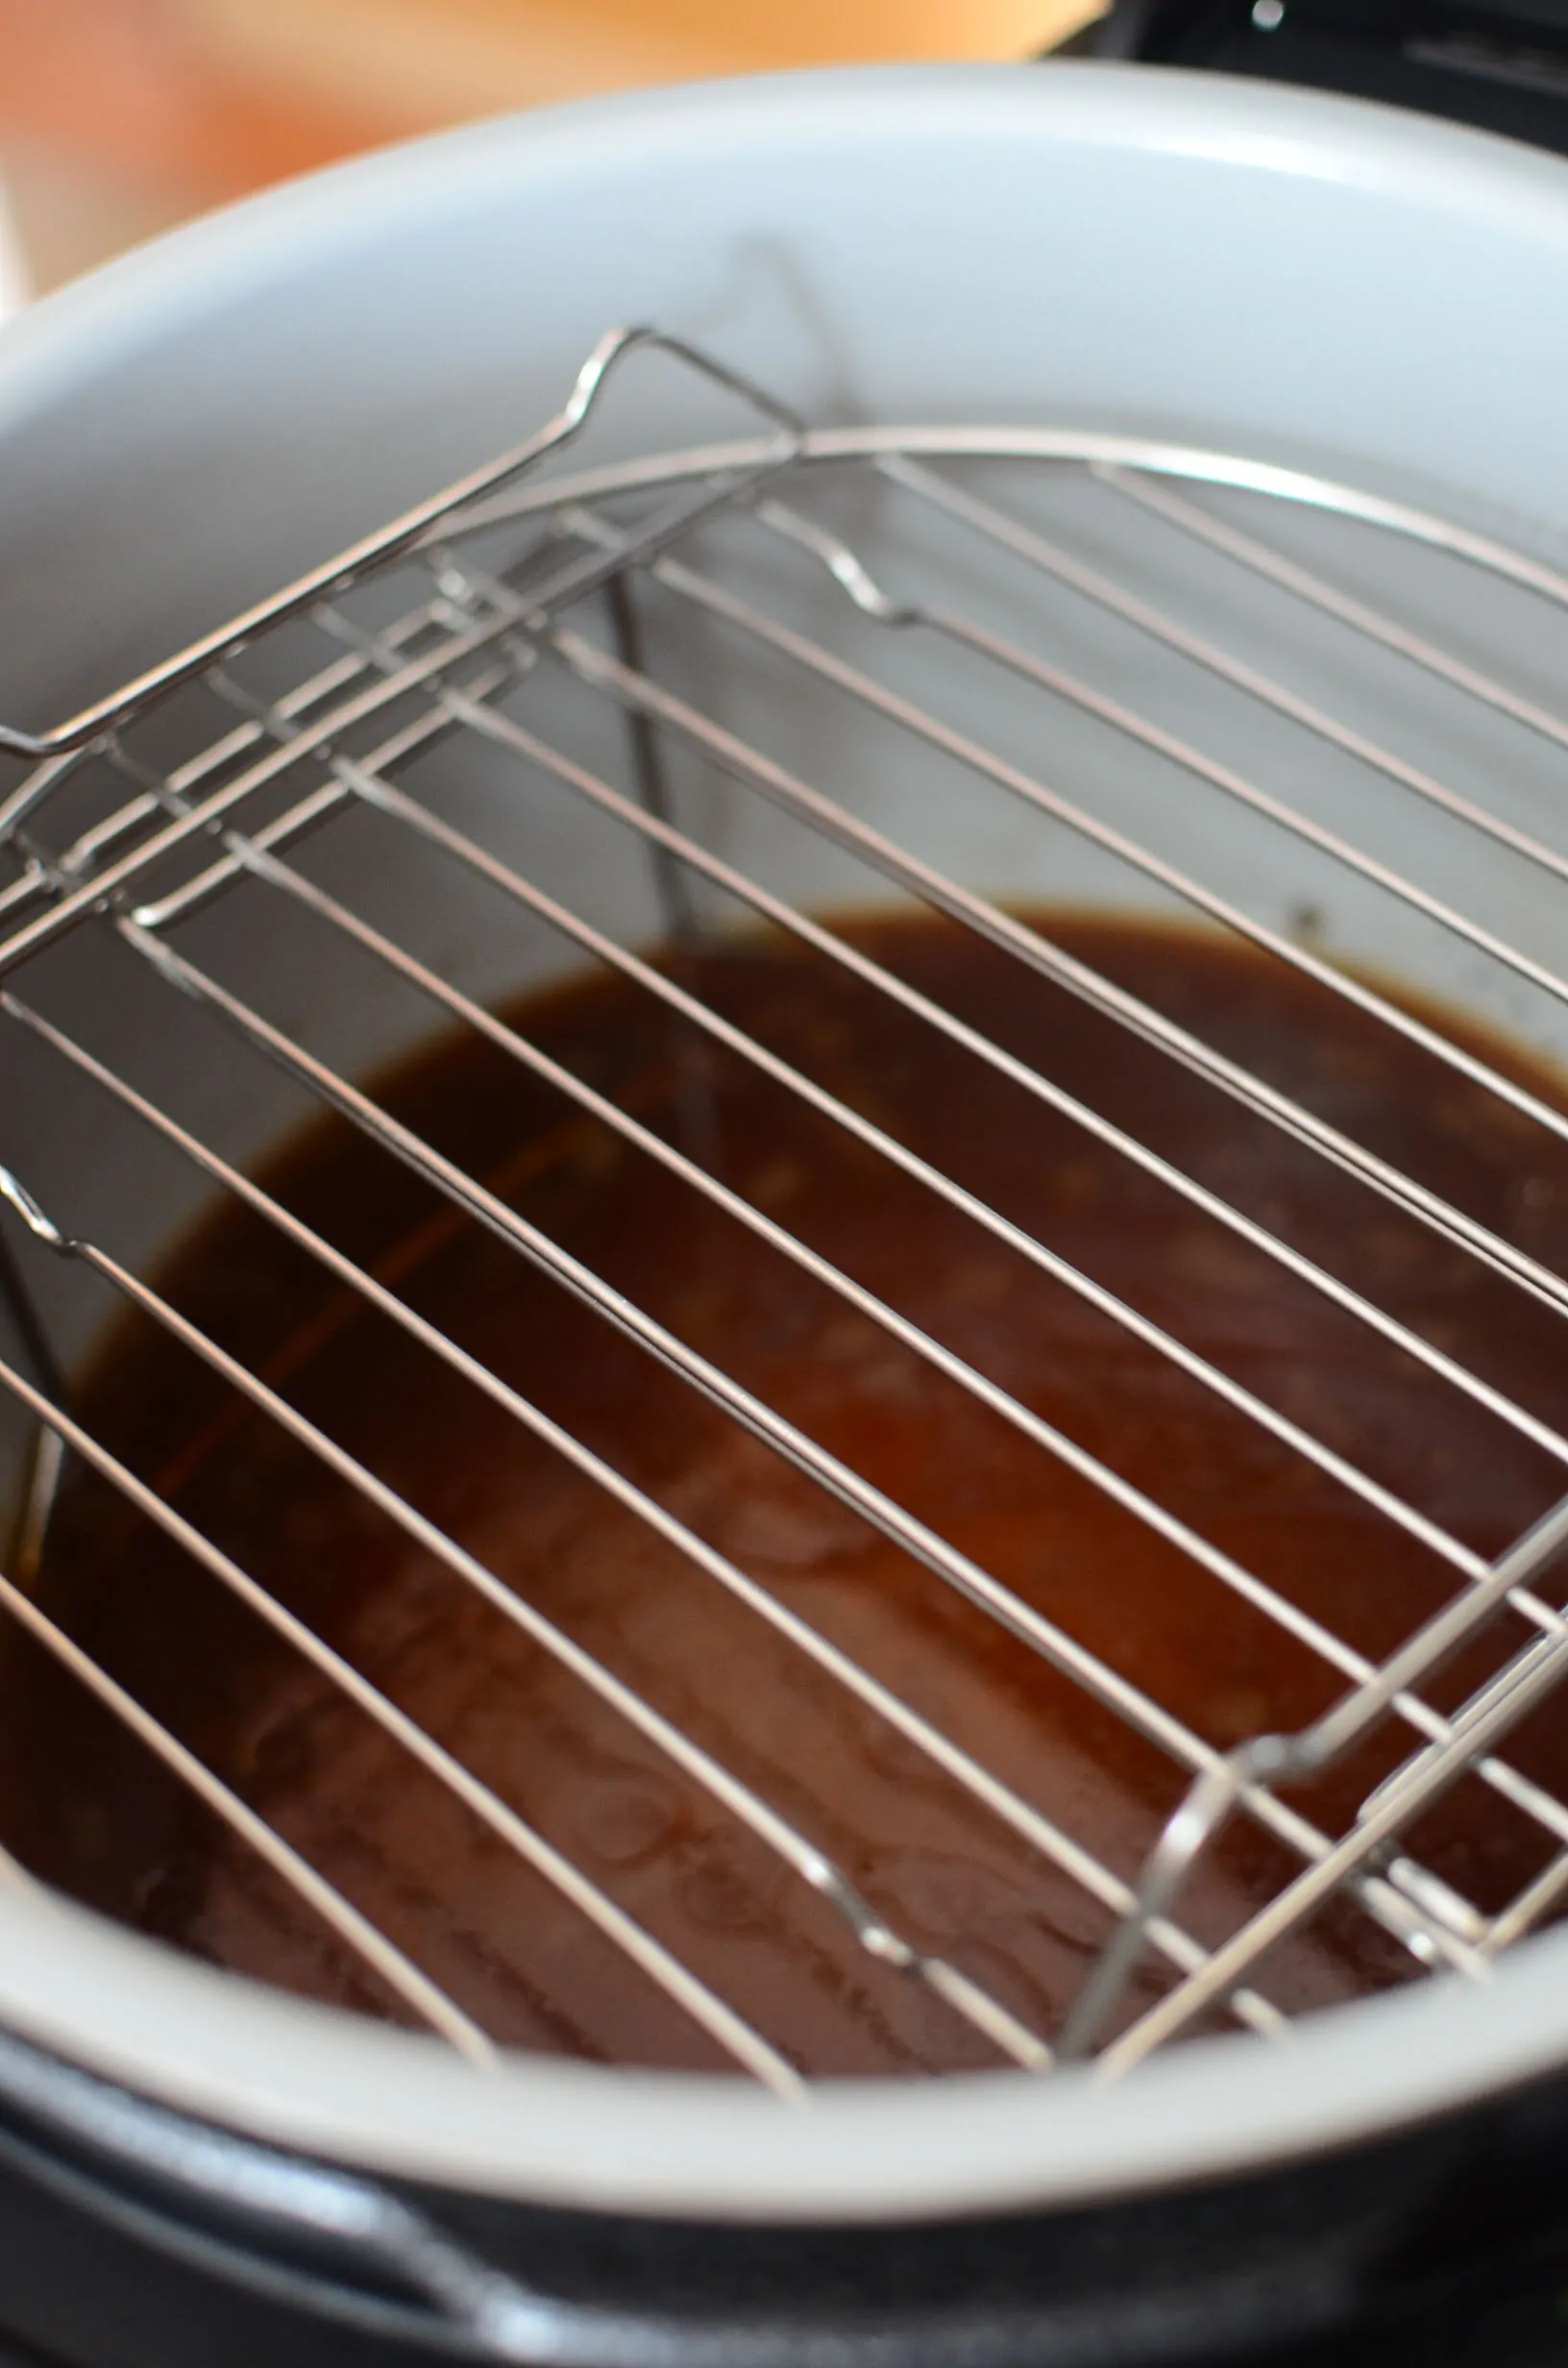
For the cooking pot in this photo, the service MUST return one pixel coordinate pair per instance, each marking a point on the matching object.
(1275, 293)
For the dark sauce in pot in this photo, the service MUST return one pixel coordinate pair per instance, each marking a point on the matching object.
(83, 1804)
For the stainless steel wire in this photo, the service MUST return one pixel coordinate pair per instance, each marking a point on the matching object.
(1028, 943)
(808, 1862)
(727, 2028)
(148, 844)
(380, 792)
(1034, 947)
(1027, 1821)
(431, 2005)
(956, 1569)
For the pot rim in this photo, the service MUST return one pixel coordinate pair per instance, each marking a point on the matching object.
(712, 2147)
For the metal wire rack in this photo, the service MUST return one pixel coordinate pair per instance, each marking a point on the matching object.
(445, 634)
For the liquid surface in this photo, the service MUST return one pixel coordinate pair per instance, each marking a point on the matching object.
(82, 1803)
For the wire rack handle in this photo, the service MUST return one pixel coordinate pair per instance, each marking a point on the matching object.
(339, 572)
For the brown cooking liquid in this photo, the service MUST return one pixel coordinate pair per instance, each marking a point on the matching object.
(80, 1802)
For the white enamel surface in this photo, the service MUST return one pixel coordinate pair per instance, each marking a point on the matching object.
(1282, 275)
(672, 2144)
(1242, 266)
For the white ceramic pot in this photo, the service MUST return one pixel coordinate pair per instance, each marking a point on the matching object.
(1295, 279)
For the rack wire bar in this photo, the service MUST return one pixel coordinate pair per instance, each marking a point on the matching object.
(1034, 946)
(845, 566)
(955, 1569)
(1473, 1567)
(809, 1862)
(718, 602)
(403, 533)
(469, 705)
(722, 2023)
(1537, 1673)
(1363, 618)
(930, 485)
(1374, 1691)
(144, 845)
(401, 1975)
(1498, 1705)
(1027, 1821)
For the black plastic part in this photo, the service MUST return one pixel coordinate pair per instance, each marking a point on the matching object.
(130, 2238)
(10, 2358)
(1500, 67)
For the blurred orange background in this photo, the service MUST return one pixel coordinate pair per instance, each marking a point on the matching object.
(120, 117)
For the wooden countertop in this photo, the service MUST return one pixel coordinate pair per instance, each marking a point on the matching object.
(119, 117)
